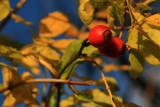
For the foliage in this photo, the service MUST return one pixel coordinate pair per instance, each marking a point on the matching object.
(61, 57)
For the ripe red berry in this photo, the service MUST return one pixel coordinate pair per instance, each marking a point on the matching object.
(114, 48)
(99, 35)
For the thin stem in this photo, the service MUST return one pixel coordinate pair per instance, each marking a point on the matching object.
(46, 81)
(105, 81)
(133, 20)
(18, 6)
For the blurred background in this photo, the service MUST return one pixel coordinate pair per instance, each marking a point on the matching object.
(144, 91)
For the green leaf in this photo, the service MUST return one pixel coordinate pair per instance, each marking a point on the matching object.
(86, 11)
(145, 7)
(52, 99)
(145, 47)
(4, 8)
(70, 57)
(116, 11)
(1, 86)
(137, 63)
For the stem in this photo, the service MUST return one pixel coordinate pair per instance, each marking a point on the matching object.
(133, 20)
(46, 81)
(18, 6)
(105, 81)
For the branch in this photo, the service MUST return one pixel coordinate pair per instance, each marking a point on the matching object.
(100, 69)
(46, 81)
(18, 6)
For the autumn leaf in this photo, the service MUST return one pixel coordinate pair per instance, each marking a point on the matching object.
(18, 94)
(4, 8)
(31, 86)
(73, 31)
(54, 24)
(30, 63)
(86, 11)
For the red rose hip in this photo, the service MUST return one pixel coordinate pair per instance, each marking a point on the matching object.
(99, 35)
(114, 48)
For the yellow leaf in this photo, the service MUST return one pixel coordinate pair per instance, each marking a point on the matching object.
(72, 31)
(53, 25)
(18, 94)
(30, 63)
(86, 11)
(110, 67)
(62, 44)
(20, 19)
(155, 19)
(32, 86)
(4, 8)
(83, 35)
(102, 13)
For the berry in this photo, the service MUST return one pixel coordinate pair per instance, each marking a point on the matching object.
(99, 4)
(114, 48)
(99, 35)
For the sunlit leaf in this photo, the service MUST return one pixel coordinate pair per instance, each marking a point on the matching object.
(32, 86)
(4, 8)
(146, 48)
(62, 44)
(53, 25)
(8, 66)
(137, 63)
(86, 11)
(9, 52)
(70, 102)
(138, 16)
(97, 22)
(111, 67)
(1, 86)
(18, 94)
(19, 19)
(72, 31)
(83, 35)
(30, 63)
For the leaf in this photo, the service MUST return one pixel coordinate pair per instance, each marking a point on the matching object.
(19, 19)
(131, 105)
(111, 67)
(18, 94)
(86, 11)
(154, 19)
(31, 86)
(8, 66)
(30, 63)
(137, 41)
(4, 8)
(7, 41)
(97, 22)
(61, 44)
(73, 31)
(71, 55)
(9, 52)
(137, 63)
(83, 35)
(52, 99)
(51, 25)
(111, 82)
(1, 86)
(116, 11)
(139, 17)
(70, 102)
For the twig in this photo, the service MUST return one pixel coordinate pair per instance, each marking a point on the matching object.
(119, 27)
(18, 6)
(105, 81)
(46, 81)
(133, 20)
